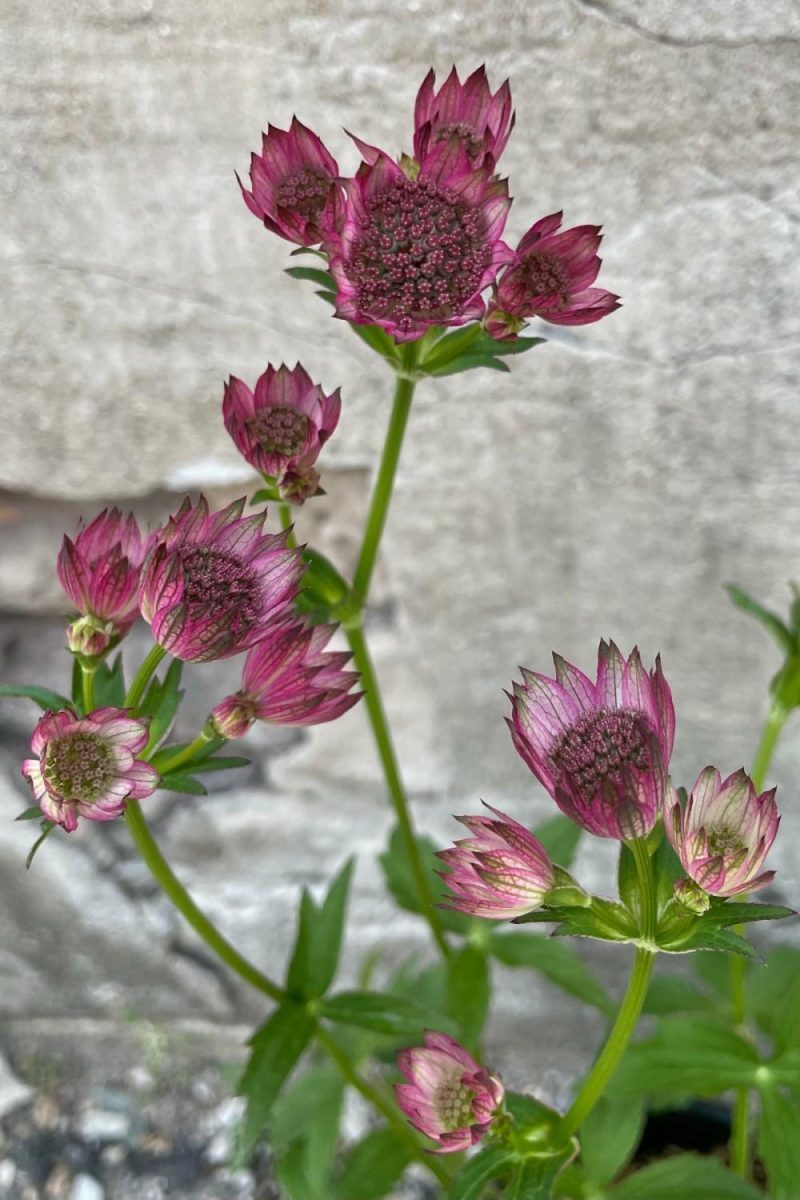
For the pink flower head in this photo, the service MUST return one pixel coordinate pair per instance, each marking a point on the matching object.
(501, 872)
(724, 832)
(87, 766)
(294, 182)
(482, 122)
(99, 571)
(213, 581)
(601, 749)
(412, 253)
(289, 679)
(282, 425)
(549, 278)
(449, 1096)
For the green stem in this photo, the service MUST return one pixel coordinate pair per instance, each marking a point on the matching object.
(142, 676)
(383, 1106)
(596, 1082)
(740, 1131)
(285, 515)
(383, 741)
(177, 893)
(87, 685)
(188, 752)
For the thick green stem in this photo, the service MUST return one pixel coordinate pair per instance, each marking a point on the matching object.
(630, 1009)
(142, 676)
(285, 515)
(189, 752)
(87, 686)
(740, 1131)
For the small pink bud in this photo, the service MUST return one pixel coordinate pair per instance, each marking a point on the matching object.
(449, 1096)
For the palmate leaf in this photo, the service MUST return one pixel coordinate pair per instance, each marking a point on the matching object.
(685, 1177)
(779, 1143)
(687, 1054)
(609, 1136)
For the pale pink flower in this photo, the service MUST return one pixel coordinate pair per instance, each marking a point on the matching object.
(87, 766)
(723, 834)
(449, 1096)
(289, 679)
(294, 184)
(482, 122)
(549, 278)
(501, 872)
(213, 582)
(99, 571)
(281, 426)
(411, 253)
(600, 749)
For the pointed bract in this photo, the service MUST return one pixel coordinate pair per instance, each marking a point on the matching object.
(448, 1095)
(482, 122)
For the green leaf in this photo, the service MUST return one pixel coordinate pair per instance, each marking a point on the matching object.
(560, 838)
(779, 1143)
(161, 703)
(731, 913)
(292, 1171)
(467, 362)
(322, 580)
(605, 920)
(382, 1014)
(609, 1136)
(46, 699)
(519, 345)
(309, 1109)
(177, 782)
(770, 620)
(557, 961)
(373, 1166)
(378, 340)
(773, 997)
(628, 880)
(711, 937)
(218, 763)
(402, 885)
(672, 994)
(687, 1054)
(34, 813)
(493, 1162)
(319, 938)
(468, 992)
(685, 1177)
(276, 1048)
(532, 1178)
(109, 684)
(449, 348)
(323, 278)
(667, 869)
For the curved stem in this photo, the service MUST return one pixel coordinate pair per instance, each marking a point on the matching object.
(373, 1096)
(142, 676)
(383, 740)
(177, 893)
(188, 752)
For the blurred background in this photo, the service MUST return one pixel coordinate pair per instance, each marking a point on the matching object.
(608, 487)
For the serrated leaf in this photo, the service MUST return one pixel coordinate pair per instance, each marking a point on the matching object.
(291, 1169)
(314, 274)
(161, 703)
(319, 938)
(109, 684)
(609, 1136)
(47, 700)
(507, 346)
(380, 1013)
(711, 938)
(532, 1178)
(557, 961)
(770, 620)
(468, 992)
(685, 1177)
(687, 1054)
(779, 1143)
(373, 1166)
(560, 838)
(276, 1048)
(491, 1163)
(177, 782)
(731, 913)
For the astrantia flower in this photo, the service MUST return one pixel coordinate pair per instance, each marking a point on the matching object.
(601, 749)
(87, 766)
(281, 426)
(294, 184)
(550, 278)
(481, 121)
(213, 581)
(99, 571)
(501, 872)
(289, 679)
(418, 252)
(449, 1096)
(724, 832)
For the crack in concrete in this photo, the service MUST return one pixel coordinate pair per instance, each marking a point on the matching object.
(606, 11)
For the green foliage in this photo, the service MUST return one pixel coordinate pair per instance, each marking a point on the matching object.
(468, 993)
(160, 703)
(773, 997)
(609, 1137)
(109, 685)
(685, 1177)
(178, 781)
(773, 624)
(315, 959)
(493, 1162)
(674, 994)
(560, 838)
(47, 700)
(382, 1013)
(276, 1048)
(687, 1054)
(372, 1167)
(304, 1130)
(468, 347)
(556, 960)
(605, 920)
(402, 885)
(779, 1142)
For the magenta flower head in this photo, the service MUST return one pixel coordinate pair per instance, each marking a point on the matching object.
(289, 678)
(601, 749)
(501, 872)
(723, 833)
(87, 766)
(449, 1096)
(481, 121)
(294, 184)
(213, 581)
(99, 571)
(550, 278)
(281, 426)
(411, 253)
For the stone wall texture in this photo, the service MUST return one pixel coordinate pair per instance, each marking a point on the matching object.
(609, 486)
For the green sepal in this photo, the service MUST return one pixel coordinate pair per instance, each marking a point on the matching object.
(323, 587)
(470, 347)
(320, 929)
(381, 1013)
(34, 813)
(448, 348)
(47, 700)
(566, 892)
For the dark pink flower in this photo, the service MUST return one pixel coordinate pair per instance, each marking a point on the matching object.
(289, 679)
(213, 581)
(87, 766)
(99, 571)
(501, 872)
(601, 749)
(411, 253)
(723, 833)
(482, 122)
(281, 426)
(550, 278)
(294, 182)
(449, 1096)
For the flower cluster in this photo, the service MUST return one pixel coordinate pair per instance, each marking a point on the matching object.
(418, 242)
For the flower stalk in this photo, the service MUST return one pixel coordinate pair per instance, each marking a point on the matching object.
(143, 675)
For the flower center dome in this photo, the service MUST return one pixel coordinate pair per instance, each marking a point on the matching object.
(598, 746)
(304, 190)
(221, 584)
(279, 430)
(80, 766)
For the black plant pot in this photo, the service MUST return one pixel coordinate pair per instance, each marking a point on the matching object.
(703, 1128)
